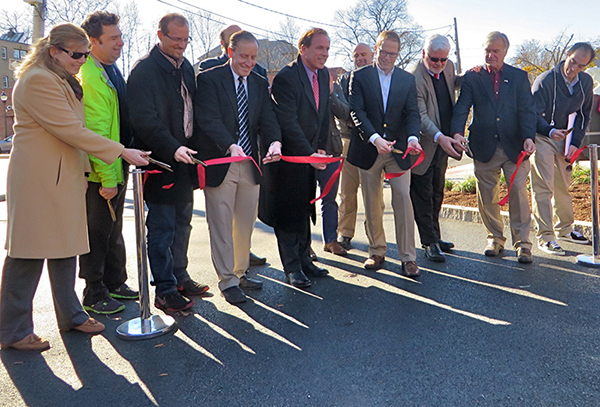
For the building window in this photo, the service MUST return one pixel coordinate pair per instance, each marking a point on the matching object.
(5, 82)
(23, 53)
(16, 54)
(4, 52)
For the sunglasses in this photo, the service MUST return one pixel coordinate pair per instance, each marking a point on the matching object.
(442, 60)
(75, 55)
(183, 40)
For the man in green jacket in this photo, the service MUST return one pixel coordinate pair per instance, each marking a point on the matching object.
(104, 89)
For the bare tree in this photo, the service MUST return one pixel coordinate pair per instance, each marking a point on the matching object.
(72, 11)
(131, 28)
(535, 57)
(363, 22)
(289, 33)
(204, 31)
(17, 21)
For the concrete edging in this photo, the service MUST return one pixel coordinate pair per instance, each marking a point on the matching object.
(467, 214)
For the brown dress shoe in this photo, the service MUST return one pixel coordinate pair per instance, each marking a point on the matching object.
(91, 326)
(335, 248)
(374, 262)
(493, 249)
(524, 255)
(30, 342)
(410, 269)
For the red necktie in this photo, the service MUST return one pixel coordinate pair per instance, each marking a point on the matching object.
(437, 75)
(315, 86)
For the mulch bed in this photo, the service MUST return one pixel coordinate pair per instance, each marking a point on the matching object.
(580, 192)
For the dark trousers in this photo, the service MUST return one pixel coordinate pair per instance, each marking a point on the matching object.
(329, 206)
(104, 267)
(294, 248)
(169, 231)
(20, 278)
(427, 195)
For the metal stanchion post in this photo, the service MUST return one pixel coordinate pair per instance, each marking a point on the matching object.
(147, 325)
(594, 260)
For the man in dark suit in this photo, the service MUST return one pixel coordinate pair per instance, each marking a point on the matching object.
(301, 95)
(435, 79)
(161, 91)
(504, 123)
(221, 59)
(233, 111)
(383, 104)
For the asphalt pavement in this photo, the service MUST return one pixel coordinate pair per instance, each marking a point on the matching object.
(473, 331)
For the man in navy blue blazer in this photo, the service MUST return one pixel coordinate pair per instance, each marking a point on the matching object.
(503, 125)
(383, 105)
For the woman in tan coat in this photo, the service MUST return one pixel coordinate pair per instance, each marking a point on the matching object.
(46, 187)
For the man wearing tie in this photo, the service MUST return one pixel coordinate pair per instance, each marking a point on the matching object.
(435, 78)
(220, 60)
(383, 104)
(503, 125)
(234, 112)
(301, 95)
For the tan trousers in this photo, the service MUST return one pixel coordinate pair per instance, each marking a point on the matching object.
(488, 191)
(372, 190)
(231, 210)
(348, 205)
(550, 189)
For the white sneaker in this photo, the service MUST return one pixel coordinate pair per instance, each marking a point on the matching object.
(575, 237)
(551, 248)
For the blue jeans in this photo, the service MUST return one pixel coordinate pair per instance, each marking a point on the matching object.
(329, 207)
(168, 237)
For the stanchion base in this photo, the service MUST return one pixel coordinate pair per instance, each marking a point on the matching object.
(588, 260)
(138, 328)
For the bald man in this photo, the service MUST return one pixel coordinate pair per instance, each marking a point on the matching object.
(224, 57)
(349, 183)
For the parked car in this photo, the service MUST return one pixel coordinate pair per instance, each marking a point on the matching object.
(6, 145)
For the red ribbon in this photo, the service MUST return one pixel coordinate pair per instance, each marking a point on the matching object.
(520, 159)
(146, 173)
(577, 154)
(419, 161)
(218, 161)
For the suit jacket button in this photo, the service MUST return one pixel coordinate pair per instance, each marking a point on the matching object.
(496, 135)
(384, 125)
(497, 119)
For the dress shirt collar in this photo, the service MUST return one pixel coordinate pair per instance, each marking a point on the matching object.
(310, 73)
(176, 62)
(487, 67)
(235, 79)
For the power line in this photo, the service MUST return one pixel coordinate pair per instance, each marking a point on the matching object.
(289, 15)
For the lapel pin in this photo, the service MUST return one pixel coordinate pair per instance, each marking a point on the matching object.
(506, 81)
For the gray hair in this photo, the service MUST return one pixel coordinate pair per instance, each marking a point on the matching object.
(494, 35)
(437, 42)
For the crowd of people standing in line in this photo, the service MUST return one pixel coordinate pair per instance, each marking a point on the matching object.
(272, 145)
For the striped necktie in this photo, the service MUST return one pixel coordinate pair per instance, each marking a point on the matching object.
(242, 105)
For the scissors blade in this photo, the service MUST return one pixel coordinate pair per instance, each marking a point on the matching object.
(159, 163)
(113, 215)
(395, 150)
(197, 161)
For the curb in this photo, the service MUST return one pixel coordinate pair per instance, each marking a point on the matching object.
(467, 214)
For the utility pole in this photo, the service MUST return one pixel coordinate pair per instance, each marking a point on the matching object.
(39, 16)
(458, 66)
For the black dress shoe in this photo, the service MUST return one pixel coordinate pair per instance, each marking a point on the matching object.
(434, 253)
(234, 295)
(247, 283)
(313, 255)
(257, 261)
(315, 271)
(446, 246)
(345, 242)
(298, 279)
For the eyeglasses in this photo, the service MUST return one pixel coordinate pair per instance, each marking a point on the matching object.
(74, 55)
(183, 40)
(384, 54)
(442, 60)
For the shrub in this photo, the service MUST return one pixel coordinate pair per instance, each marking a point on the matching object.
(467, 186)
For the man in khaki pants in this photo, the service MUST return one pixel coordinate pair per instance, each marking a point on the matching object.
(503, 126)
(558, 93)
(349, 178)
